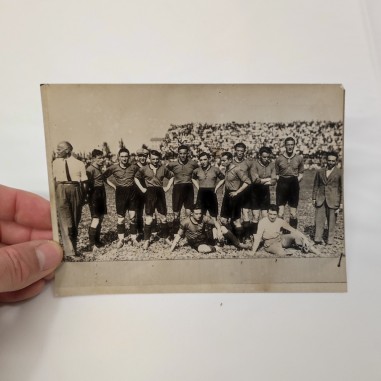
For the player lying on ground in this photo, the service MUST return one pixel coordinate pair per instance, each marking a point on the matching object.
(274, 242)
(194, 229)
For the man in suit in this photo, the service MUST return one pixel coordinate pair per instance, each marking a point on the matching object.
(327, 198)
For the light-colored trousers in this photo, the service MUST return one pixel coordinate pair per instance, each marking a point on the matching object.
(278, 244)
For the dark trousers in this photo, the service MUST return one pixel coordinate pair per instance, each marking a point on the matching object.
(323, 213)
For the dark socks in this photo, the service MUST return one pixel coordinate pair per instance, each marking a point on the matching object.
(133, 229)
(98, 234)
(163, 231)
(239, 233)
(232, 238)
(246, 226)
(92, 236)
(294, 222)
(176, 226)
(121, 228)
(147, 232)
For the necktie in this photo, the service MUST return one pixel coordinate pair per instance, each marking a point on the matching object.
(67, 171)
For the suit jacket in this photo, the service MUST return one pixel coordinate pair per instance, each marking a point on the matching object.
(329, 188)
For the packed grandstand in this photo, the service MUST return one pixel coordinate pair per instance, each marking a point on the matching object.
(314, 138)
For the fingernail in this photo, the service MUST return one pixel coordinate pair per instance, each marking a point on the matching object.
(49, 255)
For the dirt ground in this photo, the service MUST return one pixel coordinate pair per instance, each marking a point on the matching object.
(160, 250)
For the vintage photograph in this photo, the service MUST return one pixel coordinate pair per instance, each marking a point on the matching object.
(197, 172)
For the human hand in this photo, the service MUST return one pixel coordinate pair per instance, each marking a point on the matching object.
(233, 194)
(28, 257)
(339, 209)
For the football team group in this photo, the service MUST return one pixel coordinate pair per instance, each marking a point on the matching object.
(246, 217)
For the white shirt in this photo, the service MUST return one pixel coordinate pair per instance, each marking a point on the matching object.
(268, 229)
(329, 171)
(76, 167)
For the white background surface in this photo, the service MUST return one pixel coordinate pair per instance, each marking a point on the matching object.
(197, 336)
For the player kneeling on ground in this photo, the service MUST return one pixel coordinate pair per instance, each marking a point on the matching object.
(269, 231)
(194, 229)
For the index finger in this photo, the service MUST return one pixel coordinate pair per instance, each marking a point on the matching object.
(24, 208)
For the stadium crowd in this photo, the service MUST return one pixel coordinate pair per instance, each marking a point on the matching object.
(313, 138)
(247, 159)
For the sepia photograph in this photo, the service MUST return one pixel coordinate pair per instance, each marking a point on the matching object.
(241, 183)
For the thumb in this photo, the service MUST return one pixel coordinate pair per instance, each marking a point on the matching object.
(25, 263)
